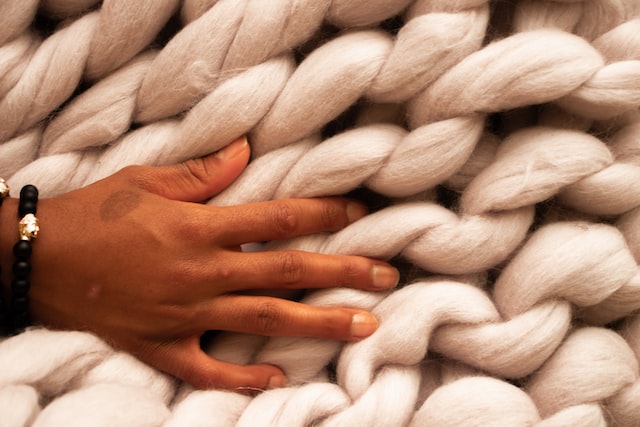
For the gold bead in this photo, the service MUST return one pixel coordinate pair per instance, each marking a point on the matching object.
(4, 189)
(28, 227)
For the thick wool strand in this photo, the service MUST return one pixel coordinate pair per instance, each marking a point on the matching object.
(531, 166)
(514, 348)
(101, 114)
(211, 408)
(16, 56)
(535, 14)
(191, 66)
(19, 405)
(381, 403)
(360, 361)
(384, 158)
(67, 8)
(599, 17)
(18, 152)
(610, 92)
(41, 88)
(104, 405)
(581, 262)
(523, 69)
(91, 46)
(435, 238)
(15, 17)
(164, 142)
(586, 415)
(124, 29)
(623, 302)
(498, 142)
(486, 402)
(54, 368)
(623, 408)
(424, 49)
(355, 58)
(563, 381)
(621, 43)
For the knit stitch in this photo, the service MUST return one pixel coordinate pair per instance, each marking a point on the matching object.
(496, 143)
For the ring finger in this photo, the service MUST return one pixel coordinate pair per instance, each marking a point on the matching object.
(299, 269)
(277, 317)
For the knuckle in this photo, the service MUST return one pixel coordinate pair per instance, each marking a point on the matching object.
(210, 378)
(133, 173)
(291, 267)
(196, 225)
(139, 176)
(204, 378)
(197, 169)
(331, 215)
(268, 318)
(283, 218)
(349, 273)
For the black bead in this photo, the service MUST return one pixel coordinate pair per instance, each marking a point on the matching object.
(29, 192)
(27, 207)
(20, 304)
(22, 249)
(21, 269)
(20, 287)
(20, 321)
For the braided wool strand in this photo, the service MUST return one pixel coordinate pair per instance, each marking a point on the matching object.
(497, 143)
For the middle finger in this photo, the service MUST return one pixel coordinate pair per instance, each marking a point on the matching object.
(298, 269)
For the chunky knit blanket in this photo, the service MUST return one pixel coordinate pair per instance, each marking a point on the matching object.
(496, 142)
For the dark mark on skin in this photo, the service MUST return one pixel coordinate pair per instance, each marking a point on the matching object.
(119, 204)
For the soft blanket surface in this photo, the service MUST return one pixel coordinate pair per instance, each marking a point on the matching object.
(496, 142)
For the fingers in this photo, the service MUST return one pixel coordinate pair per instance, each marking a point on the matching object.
(185, 360)
(277, 317)
(197, 179)
(298, 269)
(282, 219)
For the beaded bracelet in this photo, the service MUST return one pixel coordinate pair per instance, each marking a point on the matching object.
(4, 319)
(28, 229)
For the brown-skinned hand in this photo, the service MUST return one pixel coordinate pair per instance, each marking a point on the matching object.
(134, 260)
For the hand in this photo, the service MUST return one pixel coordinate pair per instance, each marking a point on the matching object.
(132, 260)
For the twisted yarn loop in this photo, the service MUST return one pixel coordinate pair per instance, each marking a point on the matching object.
(496, 143)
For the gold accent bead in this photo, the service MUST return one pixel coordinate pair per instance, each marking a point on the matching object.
(28, 227)
(4, 189)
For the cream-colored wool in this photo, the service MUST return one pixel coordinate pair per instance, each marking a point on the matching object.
(497, 143)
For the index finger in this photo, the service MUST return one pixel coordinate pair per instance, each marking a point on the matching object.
(283, 219)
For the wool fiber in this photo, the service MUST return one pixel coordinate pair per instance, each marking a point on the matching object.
(496, 144)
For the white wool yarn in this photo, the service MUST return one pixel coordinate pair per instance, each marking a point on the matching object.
(497, 144)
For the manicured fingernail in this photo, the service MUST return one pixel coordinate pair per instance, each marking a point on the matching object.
(363, 325)
(385, 277)
(277, 381)
(233, 149)
(355, 211)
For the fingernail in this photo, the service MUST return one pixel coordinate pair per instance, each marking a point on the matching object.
(233, 149)
(384, 277)
(363, 325)
(355, 211)
(277, 381)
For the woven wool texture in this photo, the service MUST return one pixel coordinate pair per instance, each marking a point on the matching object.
(497, 144)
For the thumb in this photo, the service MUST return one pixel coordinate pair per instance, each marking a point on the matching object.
(198, 179)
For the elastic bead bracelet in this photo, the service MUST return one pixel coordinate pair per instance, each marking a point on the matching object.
(4, 190)
(28, 229)
(4, 318)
